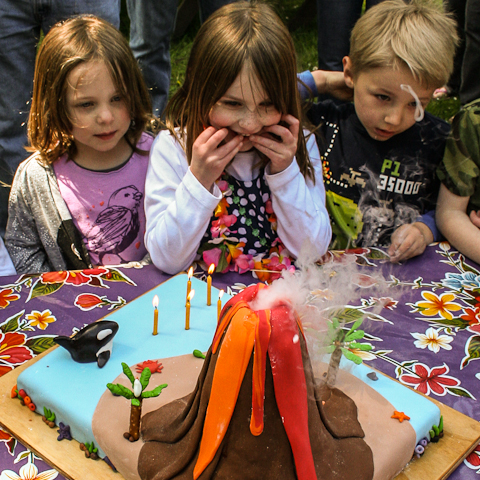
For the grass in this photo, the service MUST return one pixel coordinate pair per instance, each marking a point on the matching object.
(304, 37)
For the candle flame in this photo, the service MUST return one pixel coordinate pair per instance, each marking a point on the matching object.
(220, 294)
(190, 295)
(190, 273)
(211, 268)
(155, 301)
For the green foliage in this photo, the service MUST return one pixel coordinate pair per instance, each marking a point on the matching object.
(49, 415)
(118, 389)
(155, 392)
(91, 447)
(128, 372)
(145, 378)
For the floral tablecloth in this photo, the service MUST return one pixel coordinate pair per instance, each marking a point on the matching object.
(429, 334)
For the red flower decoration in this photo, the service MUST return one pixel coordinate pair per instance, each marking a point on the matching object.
(13, 350)
(77, 278)
(88, 301)
(7, 296)
(428, 380)
(473, 459)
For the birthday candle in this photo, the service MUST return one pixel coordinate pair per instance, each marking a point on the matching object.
(189, 282)
(219, 304)
(187, 309)
(155, 314)
(211, 269)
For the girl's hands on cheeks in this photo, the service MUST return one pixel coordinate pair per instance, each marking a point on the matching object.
(280, 152)
(209, 159)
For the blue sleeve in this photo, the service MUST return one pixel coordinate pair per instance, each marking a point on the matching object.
(428, 219)
(308, 81)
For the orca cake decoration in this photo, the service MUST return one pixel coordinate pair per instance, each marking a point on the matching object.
(92, 343)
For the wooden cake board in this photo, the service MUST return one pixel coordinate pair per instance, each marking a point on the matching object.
(461, 436)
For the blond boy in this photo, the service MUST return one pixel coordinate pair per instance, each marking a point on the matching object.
(380, 153)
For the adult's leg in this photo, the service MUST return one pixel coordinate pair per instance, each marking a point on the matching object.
(61, 9)
(457, 9)
(207, 7)
(470, 86)
(151, 26)
(335, 20)
(19, 33)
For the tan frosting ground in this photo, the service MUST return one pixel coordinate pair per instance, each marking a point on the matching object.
(392, 442)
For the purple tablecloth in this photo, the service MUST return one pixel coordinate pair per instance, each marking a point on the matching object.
(427, 335)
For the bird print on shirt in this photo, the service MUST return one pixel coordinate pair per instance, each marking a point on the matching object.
(117, 226)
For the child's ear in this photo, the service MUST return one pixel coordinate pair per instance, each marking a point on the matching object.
(348, 72)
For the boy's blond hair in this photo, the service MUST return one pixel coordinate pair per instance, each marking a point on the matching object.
(416, 34)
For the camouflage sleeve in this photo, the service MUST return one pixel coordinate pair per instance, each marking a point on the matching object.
(460, 166)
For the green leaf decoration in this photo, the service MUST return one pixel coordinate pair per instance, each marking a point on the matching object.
(135, 402)
(460, 392)
(12, 324)
(351, 356)
(40, 289)
(115, 275)
(49, 415)
(118, 389)
(128, 372)
(472, 348)
(344, 314)
(458, 323)
(198, 354)
(357, 335)
(155, 392)
(440, 425)
(40, 344)
(222, 262)
(145, 377)
(364, 347)
(377, 254)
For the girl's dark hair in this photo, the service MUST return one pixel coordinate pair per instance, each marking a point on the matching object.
(235, 34)
(68, 44)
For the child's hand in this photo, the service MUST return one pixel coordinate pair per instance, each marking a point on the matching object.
(208, 158)
(282, 150)
(475, 217)
(408, 241)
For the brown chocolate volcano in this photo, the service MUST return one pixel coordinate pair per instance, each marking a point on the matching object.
(256, 412)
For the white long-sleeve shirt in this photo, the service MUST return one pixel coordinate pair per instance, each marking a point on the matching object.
(178, 207)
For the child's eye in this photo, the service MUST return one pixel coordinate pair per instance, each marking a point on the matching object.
(231, 103)
(383, 98)
(117, 98)
(85, 104)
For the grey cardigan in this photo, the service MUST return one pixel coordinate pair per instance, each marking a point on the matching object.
(41, 235)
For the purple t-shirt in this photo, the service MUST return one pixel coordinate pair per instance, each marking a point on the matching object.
(108, 207)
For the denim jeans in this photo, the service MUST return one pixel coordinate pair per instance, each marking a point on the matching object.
(20, 25)
(152, 23)
(335, 20)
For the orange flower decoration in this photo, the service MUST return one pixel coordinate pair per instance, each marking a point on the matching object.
(7, 296)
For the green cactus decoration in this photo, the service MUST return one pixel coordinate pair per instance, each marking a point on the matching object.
(136, 395)
(198, 354)
(49, 415)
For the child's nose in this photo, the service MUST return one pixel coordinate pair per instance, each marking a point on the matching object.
(250, 122)
(394, 116)
(105, 115)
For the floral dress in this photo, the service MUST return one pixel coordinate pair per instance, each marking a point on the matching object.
(242, 234)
